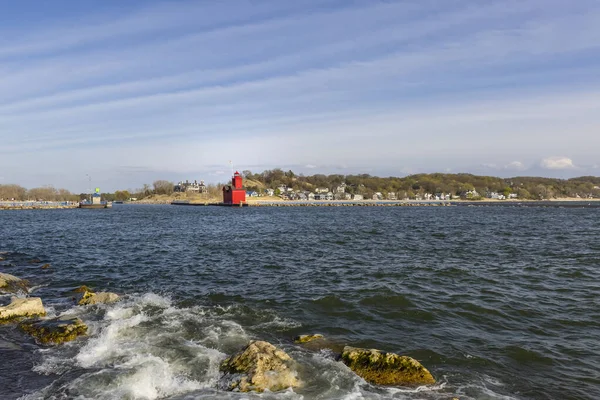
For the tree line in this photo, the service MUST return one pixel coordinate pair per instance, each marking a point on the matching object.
(46, 193)
(535, 188)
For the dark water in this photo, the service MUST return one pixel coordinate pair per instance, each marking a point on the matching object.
(498, 303)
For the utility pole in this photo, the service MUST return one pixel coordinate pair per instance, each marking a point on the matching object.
(89, 186)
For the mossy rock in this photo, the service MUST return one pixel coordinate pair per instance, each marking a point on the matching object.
(11, 284)
(55, 330)
(258, 367)
(307, 338)
(82, 289)
(383, 368)
(88, 298)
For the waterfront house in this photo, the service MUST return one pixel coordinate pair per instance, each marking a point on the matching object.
(310, 196)
(358, 197)
(270, 192)
(341, 188)
(191, 187)
(391, 196)
(329, 196)
(251, 194)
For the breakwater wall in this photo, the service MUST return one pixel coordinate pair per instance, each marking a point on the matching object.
(36, 205)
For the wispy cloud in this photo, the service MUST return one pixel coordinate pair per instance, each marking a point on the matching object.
(392, 86)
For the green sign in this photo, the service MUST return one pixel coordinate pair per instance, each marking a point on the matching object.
(97, 190)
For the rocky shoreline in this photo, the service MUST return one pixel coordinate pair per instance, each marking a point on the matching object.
(257, 367)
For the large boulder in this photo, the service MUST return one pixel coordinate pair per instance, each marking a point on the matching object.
(11, 284)
(258, 367)
(22, 308)
(55, 330)
(87, 298)
(383, 368)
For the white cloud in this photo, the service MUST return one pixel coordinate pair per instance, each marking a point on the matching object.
(557, 163)
(515, 165)
(310, 166)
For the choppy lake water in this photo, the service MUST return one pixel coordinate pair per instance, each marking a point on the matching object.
(498, 303)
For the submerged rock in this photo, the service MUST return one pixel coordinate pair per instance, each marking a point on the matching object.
(11, 284)
(55, 330)
(383, 368)
(22, 308)
(86, 298)
(307, 338)
(258, 367)
(82, 289)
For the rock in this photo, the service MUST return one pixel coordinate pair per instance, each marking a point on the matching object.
(259, 366)
(22, 308)
(45, 266)
(88, 298)
(35, 261)
(55, 330)
(82, 289)
(11, 284)
(307, 338)
(383, 368)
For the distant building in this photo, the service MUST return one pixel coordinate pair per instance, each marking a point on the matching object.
(391, 196)
(270, 192)
(358, 197)
(191, 187)
(282, 189)
(341, 188)
(321, 190)
(310, 196)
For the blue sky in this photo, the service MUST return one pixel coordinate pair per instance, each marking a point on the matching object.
(129, 92)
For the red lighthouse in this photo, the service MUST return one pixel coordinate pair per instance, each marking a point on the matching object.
(234, 194)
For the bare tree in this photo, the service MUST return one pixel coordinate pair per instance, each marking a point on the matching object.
(163, 187)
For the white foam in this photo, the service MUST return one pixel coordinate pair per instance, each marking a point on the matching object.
(111, 342)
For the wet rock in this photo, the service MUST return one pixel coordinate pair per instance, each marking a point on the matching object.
(258, 367)
(82, 289)
(55, 330)
(86, 298)
(11, 284)
(22, 308)
(45, 266)
(307, 338)
(383, 368)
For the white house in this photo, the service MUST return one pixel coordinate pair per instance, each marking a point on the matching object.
(358, 197)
